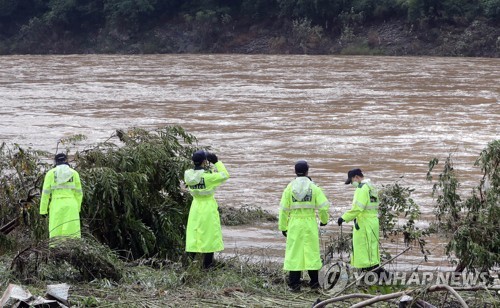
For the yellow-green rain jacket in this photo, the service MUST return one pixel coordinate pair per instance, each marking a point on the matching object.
(365, 235)
(62, 199)
(204, 233)
(299, 203)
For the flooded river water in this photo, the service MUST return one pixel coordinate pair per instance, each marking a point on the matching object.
(387, 115)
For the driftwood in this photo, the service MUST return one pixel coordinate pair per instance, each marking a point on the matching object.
(14, 223)
(343, 297)
(434, 288)
(11, 225)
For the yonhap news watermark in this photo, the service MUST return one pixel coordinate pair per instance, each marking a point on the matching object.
(338, 276)
(454, 279)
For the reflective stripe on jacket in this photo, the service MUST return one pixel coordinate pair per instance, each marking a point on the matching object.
(300, 202)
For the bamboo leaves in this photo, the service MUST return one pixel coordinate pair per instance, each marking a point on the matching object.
(133, 196)
(21, 175)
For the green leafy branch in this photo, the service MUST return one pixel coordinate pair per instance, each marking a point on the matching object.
(395, 204)
(472, 225)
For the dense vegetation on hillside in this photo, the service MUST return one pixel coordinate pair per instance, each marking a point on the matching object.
(74, 26)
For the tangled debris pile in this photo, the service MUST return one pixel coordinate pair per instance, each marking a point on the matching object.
(17, 296)
(67, 259)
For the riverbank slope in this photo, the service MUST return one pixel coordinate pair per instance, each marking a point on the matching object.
(395, 37)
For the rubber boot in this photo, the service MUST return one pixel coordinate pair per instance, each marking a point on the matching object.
(294, 283)
(314, 283)
(208, 260)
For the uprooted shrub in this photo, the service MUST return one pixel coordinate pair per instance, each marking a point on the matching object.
(133, 196)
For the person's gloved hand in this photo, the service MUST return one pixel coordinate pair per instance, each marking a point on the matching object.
(322, 224)
(211, 157)
(340, 221)
(284, 233)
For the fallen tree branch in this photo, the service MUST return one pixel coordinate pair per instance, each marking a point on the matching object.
(344, 297)
(434, 288)
(11, 225)
(477, 288)
(379, 299)
(441, 287)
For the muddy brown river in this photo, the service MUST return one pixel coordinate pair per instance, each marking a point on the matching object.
(387, 115)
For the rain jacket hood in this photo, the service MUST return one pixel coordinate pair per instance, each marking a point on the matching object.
(193, 177)
(300, 187)
(62, 174)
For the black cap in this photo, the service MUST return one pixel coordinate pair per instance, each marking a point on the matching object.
(60, 158)
(199, 157)
(301, 167)
(353, 173)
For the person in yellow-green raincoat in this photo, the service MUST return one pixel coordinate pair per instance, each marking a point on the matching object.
(300, 202)
(62, 199)
(203, 231)
(364, 212)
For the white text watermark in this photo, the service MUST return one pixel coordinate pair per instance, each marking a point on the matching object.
(454, 279)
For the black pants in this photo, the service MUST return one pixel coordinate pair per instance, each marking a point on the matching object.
(208, 260)
(296, 275)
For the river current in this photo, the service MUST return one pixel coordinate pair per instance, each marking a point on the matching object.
(260, 113)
